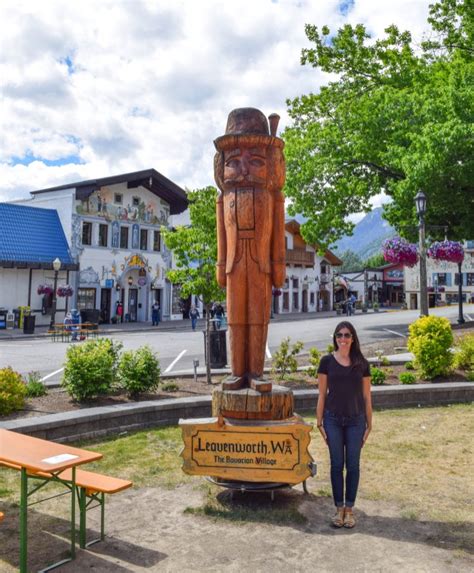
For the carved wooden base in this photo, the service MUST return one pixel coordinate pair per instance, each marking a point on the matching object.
(251, 404)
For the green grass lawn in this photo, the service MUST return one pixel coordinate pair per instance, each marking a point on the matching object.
(418, 459)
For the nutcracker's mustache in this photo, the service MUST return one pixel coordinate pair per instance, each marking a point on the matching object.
(237, 181)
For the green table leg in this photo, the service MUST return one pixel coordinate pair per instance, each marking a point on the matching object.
(24, 522)
(73, 513)
(82, 517)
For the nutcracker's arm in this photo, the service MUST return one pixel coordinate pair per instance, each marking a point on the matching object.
(221, 242)
(278, 242)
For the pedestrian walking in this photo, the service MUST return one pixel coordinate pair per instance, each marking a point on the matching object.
(155, 314)
(119, 311)
(344, 416)
(193, 315)
(218, 315)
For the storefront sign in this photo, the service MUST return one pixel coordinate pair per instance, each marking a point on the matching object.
(262, 452)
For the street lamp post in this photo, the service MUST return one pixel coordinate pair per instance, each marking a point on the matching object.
(56, 267)
(420, 202)
(461, 313)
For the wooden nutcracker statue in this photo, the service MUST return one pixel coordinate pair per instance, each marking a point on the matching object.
(249, 169)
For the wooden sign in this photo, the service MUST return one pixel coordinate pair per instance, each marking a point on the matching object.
(265, 452)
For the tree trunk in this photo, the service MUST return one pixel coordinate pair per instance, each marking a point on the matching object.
(252, 405)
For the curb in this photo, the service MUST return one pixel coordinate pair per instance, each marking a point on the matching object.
(108, 420)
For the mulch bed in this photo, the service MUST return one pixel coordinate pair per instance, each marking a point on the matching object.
(57, 400)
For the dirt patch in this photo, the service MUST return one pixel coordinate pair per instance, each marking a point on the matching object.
(151, 529)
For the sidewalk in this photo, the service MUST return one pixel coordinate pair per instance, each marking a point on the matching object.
(165, 326)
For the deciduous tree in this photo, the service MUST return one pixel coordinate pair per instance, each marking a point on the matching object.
(194, 249)
(398, 119)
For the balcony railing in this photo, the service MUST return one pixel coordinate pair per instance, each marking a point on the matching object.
(299, 257)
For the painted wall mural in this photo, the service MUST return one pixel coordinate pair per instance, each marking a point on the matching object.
(102, 203)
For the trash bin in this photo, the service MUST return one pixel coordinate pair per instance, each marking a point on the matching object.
(29, 324)
(3, 319)
(218, 358)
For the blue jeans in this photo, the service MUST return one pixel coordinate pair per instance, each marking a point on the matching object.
(193, 323)
(345, 443)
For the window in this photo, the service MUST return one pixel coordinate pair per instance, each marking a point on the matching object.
(118, 198)
(85, 298)
(442, 279)
(143, 239)
(136, 201)
(286, 301)
(295, 301)
(470, 279)
(103, 235)
(311, 299)
(156, 241)
(124, 237)
(295, 283)
(86, 233)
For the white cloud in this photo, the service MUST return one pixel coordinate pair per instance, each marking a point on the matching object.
(123, 85)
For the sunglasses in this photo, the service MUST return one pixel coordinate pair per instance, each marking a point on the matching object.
(343, 335)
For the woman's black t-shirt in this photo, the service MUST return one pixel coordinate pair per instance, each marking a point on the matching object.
(344, 396)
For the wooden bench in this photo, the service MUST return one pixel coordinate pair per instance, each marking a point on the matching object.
(90, 487)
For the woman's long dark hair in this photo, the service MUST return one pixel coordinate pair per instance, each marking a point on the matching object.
(357, 358)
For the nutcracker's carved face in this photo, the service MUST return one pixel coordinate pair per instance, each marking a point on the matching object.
(245, 167)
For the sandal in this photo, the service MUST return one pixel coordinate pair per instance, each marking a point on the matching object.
(349, 520)
(338, 519)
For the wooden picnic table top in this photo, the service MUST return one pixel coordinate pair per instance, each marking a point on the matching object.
(41, 455)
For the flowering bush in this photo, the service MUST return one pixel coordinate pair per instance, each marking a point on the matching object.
(44, 289)
(446, 251)
(399, 250)
(65, 290)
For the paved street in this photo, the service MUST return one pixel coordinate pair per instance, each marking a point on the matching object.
(178, 346)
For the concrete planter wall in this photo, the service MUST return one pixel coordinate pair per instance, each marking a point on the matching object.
(98, 422)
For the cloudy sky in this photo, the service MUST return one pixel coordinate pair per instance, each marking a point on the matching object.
(100, 87)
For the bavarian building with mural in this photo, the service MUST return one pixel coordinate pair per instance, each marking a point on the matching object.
(113, 227)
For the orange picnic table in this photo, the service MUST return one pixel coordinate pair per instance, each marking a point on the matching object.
(33, 456)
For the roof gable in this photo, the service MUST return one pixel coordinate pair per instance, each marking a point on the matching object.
(150, 179)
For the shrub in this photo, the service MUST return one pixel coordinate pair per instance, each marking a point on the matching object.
(90, 369)
(34, 386)
(12, 391)
(464, 352)
(139, 371)
(170, 387)
(430, 341)
(378, 376)
(314, 358)
(470, 376)
(407, 378)
(330, 348)
(409, 365)
(284, 359)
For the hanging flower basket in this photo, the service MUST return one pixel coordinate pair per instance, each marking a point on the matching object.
(400, 251)
(276, 292)
(65, 290)
(450, 251)
(44, 289)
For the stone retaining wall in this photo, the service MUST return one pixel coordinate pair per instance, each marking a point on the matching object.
(99, 422)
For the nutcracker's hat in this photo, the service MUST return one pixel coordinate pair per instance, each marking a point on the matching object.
(249, 126)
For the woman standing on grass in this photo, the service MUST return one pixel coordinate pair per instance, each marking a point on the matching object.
(344, 416)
